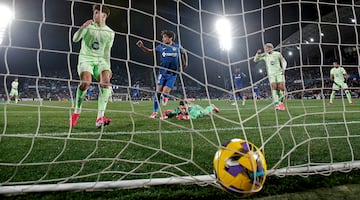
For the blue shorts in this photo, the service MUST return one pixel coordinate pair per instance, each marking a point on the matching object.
(167, 79)
(238, 86)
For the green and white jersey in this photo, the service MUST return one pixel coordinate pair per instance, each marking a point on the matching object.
(96, 42)
(275, 62)
(196, 111)
(14, 85)
(338, 73)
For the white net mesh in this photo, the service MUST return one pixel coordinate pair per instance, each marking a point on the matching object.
(40, 152)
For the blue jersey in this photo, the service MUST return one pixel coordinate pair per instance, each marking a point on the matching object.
(256, 90)
(90, 91)
(136, 89)
(238, 79)
(169, 56)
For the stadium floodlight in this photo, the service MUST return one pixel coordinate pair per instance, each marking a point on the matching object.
(290, 53)
(353, 20)
(311, 39)
(224, 33)
(6, 17)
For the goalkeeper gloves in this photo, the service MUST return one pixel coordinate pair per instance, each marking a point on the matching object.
(183, 117)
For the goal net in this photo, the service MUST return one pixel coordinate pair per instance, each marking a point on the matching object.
(40, 152)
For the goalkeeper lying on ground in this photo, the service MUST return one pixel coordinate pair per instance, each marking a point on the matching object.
(187, 111)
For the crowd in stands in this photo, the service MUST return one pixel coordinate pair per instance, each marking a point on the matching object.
(305, 83)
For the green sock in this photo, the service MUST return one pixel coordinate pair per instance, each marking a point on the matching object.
(348, 95)
(80, 95)
(332, 96)
(103, 100)
(282, 96)
(275, 97)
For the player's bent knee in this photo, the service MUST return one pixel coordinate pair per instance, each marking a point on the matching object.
(84, 86)
(105, 85)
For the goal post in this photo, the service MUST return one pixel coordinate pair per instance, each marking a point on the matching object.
(39, 152)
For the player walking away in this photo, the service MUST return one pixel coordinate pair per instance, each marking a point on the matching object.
(238, 80)
(94, 60)
(170, 61)
(14, 92)
(338, 75)
(90, 93)
(256, 92)
(136, 92)
(275, 65)
(189, 111)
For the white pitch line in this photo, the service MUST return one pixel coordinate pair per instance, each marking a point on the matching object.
(177, 131)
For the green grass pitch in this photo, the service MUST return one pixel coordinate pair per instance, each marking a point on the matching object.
(38, 146)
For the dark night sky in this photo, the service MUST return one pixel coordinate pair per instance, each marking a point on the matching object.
(53, 22)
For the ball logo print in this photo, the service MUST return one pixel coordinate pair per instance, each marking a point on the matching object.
(240, 167)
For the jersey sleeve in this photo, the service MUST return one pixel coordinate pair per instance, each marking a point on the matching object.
(343, 71)
(259, 57)
(283, 61)
(79, 34)
(181, 49)
(158, 48)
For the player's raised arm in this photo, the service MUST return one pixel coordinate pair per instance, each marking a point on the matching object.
(258, 56)
(140, 44)
(81, 32)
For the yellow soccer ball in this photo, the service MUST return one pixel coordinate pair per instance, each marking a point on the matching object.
(240, 167)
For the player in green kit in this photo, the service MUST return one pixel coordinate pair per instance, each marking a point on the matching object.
(338, 76)
(189, 111)
(14, 92)
(94, 61)
(275, 65)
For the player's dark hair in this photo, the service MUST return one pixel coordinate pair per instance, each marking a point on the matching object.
(170, 34)
(182, 103)
(103, 9)
(335, 61)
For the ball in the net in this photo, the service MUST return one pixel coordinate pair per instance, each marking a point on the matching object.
(240, 167)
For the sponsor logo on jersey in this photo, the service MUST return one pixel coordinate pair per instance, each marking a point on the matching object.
(95, 45)
(164, 54)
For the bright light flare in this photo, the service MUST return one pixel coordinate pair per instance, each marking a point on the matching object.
(6, 16)
(224, 33)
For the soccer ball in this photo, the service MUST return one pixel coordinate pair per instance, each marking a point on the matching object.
(240, 167)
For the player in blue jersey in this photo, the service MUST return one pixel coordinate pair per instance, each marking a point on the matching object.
(90, 93)
(256, 92)
(136, 92)
(171, 56)
(238, 82)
